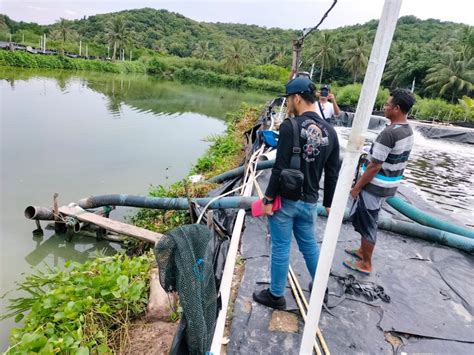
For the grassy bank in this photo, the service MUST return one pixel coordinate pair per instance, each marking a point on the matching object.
(225, 153)
(269, 78)
(38, 61)
(87, 308)
(186, 70)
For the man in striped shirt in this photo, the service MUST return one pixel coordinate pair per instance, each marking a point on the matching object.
(381, 177)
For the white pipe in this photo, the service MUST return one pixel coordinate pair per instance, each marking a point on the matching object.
(378, 57)
(226, 282)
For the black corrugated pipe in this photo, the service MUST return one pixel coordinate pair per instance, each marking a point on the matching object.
(164, 203)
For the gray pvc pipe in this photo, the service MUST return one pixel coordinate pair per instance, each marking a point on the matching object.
(164, 203)
(400, 227)
(40, 213)
(266, 164)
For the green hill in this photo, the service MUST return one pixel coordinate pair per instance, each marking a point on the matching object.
(341, 55)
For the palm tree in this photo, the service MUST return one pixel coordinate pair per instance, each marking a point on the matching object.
(63, 28)
(411, 62)
(356, 56)
(235, 57)
(325, 53)
(202, 51)
(467, 42)
(467, 104)
(118, 34)
(452, 75)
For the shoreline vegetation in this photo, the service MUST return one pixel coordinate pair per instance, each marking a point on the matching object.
(89, 307)
(435, 58)
(268, 78)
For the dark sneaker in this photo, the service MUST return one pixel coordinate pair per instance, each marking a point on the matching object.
(326, 294)
(266, 298)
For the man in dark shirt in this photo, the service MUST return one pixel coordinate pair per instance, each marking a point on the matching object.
(319, 152)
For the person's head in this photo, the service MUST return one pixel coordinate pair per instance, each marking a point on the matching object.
(324, 93)
(300, 94)
(398, 104)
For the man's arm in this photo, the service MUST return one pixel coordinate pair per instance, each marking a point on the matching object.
(283, 157)
(337, 110)
(331, 173)
(372, 170)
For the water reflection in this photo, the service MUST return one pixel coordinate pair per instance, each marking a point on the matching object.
(55, 250)
(145, 93)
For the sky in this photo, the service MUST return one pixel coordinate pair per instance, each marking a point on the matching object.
(296, 14)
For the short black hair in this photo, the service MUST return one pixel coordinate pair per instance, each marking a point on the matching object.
(403, 98)
(309, 96)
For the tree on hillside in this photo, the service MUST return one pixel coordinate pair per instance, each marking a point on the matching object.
(202, 51)
(407, 63)
(235, 57)
(64, 30)
(118, 34)
(325, 53)
(467, 42)
(356, 56)
(451, 76)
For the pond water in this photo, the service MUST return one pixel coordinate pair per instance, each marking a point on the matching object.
(440, 172)
(81, 134)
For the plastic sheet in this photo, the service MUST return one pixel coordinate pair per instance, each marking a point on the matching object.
(431, 289)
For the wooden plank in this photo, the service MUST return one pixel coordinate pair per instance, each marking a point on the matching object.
(109, 224)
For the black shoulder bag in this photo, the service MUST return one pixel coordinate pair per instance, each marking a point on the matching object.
(291, 179)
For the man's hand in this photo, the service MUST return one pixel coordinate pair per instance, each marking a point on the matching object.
(268, 209)
(328, 210)
(355, 192)
(331, 97)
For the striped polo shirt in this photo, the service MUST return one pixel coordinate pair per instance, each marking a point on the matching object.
(391, 149)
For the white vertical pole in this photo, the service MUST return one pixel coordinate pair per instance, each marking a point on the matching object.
(108, 52)
(44, 43)
(378, 57)
(80, 48)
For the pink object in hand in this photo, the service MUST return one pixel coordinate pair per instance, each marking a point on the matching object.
(257, 206)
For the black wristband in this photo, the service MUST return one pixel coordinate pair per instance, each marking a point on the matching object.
(266, 201)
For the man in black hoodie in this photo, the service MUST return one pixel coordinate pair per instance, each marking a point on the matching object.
(319, 148)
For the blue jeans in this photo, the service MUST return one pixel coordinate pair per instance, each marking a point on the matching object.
(300, 218)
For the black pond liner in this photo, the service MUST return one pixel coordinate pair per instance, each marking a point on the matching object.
(431, 288)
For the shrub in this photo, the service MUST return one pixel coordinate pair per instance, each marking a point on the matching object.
(78, 309)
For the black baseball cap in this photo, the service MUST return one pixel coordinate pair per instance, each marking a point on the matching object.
(299, 85)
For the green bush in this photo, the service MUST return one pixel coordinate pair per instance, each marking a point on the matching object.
(28, 60)
(440, 110)
(77, 309)
(349, 95)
